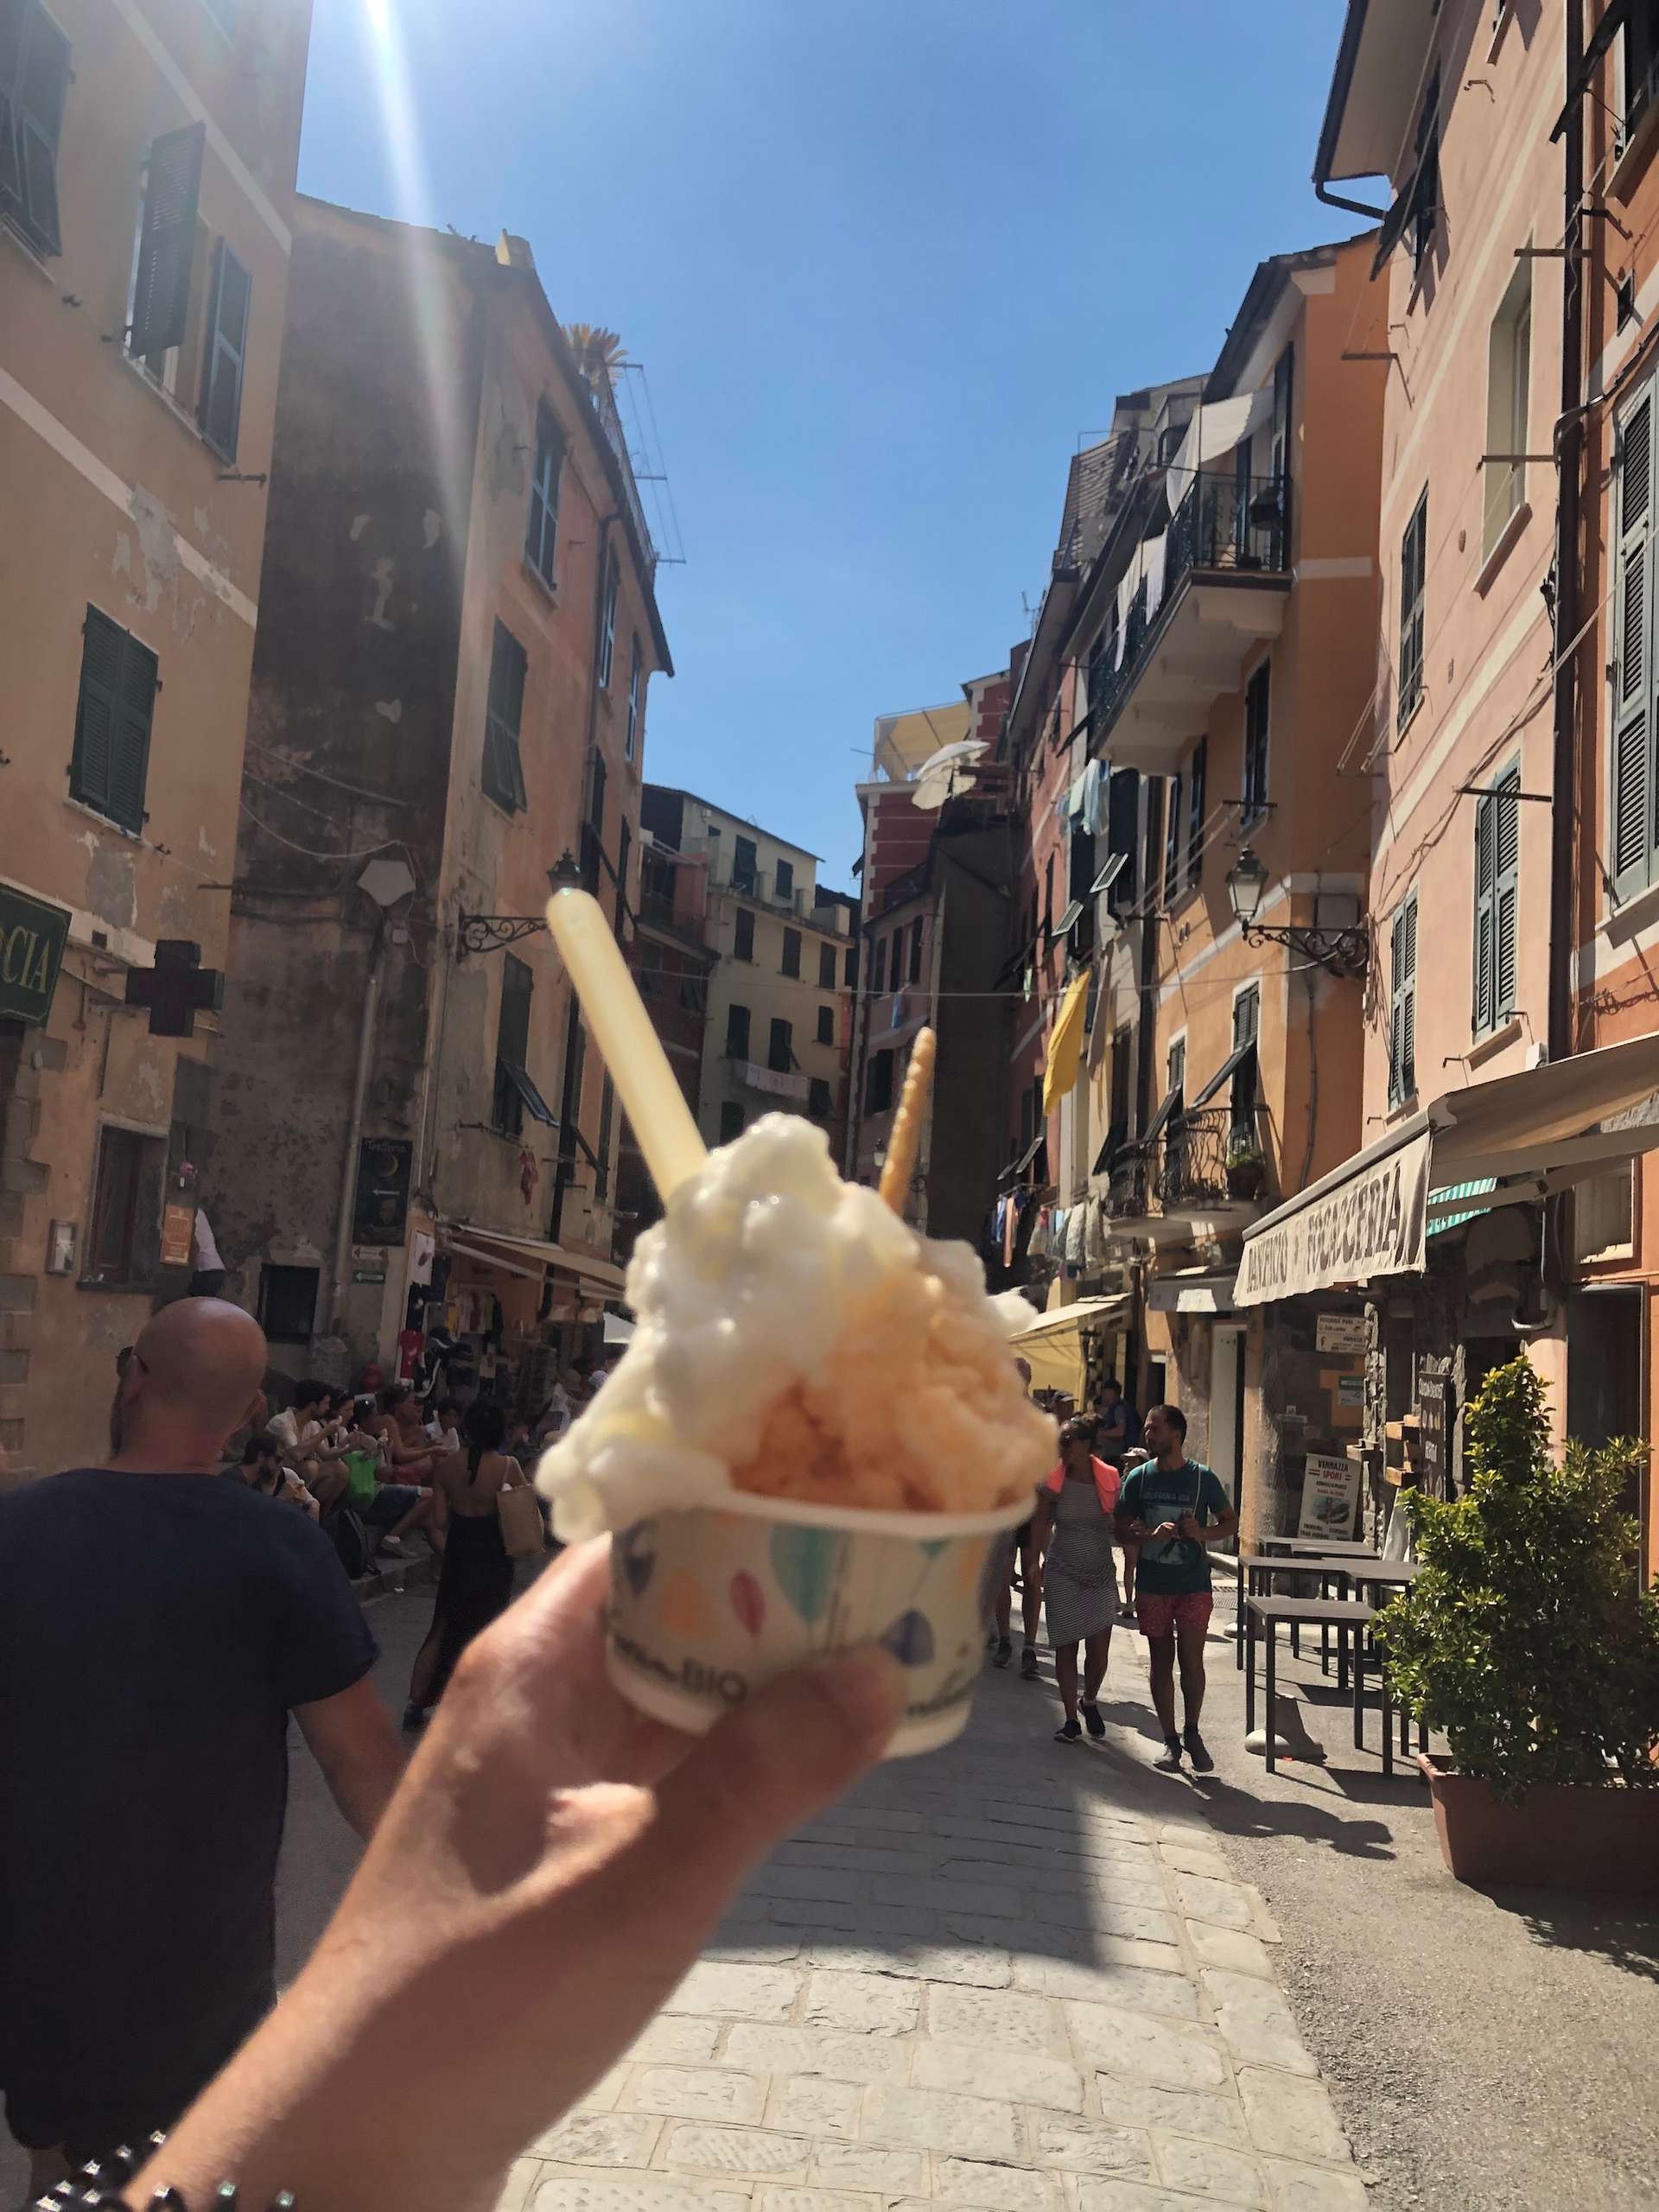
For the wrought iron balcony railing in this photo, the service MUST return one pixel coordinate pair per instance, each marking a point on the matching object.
(1225, 524)
(1208, 1158)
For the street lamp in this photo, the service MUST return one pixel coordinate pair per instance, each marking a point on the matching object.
(1345, 952)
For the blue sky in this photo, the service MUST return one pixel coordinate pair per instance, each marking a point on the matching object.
(885, 263)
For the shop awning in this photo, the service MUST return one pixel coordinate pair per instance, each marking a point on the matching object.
(1524, 1135)
(1051, 1346)
(1065, 1044)
(1190, 1290)
(528, 1255)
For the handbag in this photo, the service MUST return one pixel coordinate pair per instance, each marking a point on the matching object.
(522, 1533)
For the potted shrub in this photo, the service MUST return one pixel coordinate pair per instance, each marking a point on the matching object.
(1246, 1171)
(1527, 1641)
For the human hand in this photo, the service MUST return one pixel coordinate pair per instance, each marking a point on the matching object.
(1191, 1528)
(1168, 1529)
(549, 1869)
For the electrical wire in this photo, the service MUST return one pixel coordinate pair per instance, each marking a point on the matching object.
(386, 845)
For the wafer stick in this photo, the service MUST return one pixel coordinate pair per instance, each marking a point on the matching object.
(904, 1143)
(615, 1011)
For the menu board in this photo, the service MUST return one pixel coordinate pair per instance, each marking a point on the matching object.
(1432, 1394)
(1330, 1495)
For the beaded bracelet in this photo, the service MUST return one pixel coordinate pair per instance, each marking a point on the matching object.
(97, 2187)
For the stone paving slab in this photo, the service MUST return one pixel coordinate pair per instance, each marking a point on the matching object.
(1011, 1977)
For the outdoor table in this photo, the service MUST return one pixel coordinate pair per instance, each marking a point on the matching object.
(1249, 1565)
(1326, 1547)
(1347, 1618)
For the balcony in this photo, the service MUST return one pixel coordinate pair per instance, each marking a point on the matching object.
(1181, 1189)
(762, 884)
(1226, 577)
(776, 1083)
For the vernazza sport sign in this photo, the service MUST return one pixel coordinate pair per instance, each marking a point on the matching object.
(32, 936)
(1374, 1222)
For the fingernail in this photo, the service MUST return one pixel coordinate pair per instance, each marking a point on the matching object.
(866, 1686)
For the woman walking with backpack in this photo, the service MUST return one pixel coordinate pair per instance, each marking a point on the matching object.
(475, 1583)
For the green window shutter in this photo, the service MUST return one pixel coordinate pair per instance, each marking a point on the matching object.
(33, 83)
(1632, 781)
(167, 241)
(1197, 808)
(503, 775)
(112, 721)
(1485, 826)
(1403, 1003)
(1506, 875)
(228, 348)
(608, 627)
(542, 535)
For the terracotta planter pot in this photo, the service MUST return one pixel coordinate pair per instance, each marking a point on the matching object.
(1561, 1836)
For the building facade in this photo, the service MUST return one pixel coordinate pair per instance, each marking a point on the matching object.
(778, 1024)
(146, 219)
(672, 960)
(449, 700)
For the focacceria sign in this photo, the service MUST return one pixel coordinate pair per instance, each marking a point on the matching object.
(32, 936)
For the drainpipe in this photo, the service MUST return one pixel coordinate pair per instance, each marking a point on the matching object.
(354, 1127)
(1570, 447)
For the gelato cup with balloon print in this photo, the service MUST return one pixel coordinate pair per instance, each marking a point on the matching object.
(709, 1604)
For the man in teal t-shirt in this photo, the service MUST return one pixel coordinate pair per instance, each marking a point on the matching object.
(1174, 1508)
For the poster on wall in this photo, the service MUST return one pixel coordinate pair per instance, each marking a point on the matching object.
(1330, 1495)
(1342, 1332)
(1432, 1425)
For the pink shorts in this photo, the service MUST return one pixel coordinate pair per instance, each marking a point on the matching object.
(1188, 1609)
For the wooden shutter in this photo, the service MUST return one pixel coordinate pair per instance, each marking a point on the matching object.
(34, 81)
(112, 721)
(1631, 827)
(1196, 809)
(542, 536)
(167, 240)
(504, 777)
(1485, 826)
(1403, 1003)
(1506, 870)
(737, 1031)
(228, 347)
(1173, 840)
(1123, 807)
(1413, 551)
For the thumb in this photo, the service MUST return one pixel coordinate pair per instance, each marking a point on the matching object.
(763, 1770)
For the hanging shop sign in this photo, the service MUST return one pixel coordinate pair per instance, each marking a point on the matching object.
(1330, 1495)
(1341, 1333)
(381, 1215)
(178, 1233)
(1433, 1393)
(32, 938)
(1373, 1223)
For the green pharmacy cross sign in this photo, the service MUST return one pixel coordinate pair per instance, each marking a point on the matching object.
(32, 936)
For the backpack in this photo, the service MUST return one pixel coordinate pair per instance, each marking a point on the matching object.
(351, 1543)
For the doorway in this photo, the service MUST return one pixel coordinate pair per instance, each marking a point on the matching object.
(1227, 1407)
(1606, 1393)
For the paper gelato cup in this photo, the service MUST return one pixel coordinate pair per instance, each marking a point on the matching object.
(709, 1604)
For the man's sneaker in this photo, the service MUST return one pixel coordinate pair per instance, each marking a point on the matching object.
(1004, 1652)
(1197, 1751)
(1093, 1719)
(1172, 1756)
(1028, 1663)
(1068, 1733)
(394, 1545)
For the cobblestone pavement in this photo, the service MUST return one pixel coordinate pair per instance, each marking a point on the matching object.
(1011, 1977)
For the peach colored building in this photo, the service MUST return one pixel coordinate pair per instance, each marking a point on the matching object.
(146, 228)
(449, 695)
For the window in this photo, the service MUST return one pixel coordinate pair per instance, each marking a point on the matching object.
(879, 968)
(513, 1047)
(786, 881)
(1123, 811)
(1497, 854)
(744, 859)
(606, 1115)
(1117, 1134)
(226, 351)
(504, 776)
(1048, 898)
(742, 934)
(1632, 780)
(598, 781)
(1247, 1017)
(826, 967)
(1508, 350)
(780, 1055)
(110, 763)
(1172, 841)
(1257, 707)
(878, 1084)
(607, 624)
(624, 852)
(1402, 1004)
(818, 1101)
(731, 1119)
(849, 968)
(636, 698)
(1641, 62)
(33, 79)
(913, 972)
(790, 965)
(1414, 549)
(826, 1024)
(1425, 186)
(126, 1205)
(288, 1304)
(167, 245)
(1625, 300)
(542, 535)
(1197, 806)
(737, 1031)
